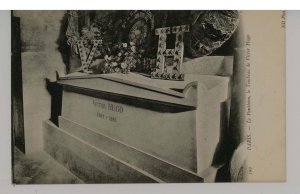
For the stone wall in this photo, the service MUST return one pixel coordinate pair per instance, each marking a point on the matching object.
(42, 41)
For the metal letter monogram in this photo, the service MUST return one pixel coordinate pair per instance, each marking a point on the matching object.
(86, 61)
(163, 71)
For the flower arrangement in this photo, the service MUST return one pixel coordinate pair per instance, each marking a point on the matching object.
(110, 58)
(122, 58)
(111, 55)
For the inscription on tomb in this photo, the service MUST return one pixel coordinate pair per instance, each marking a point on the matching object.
(107, 110)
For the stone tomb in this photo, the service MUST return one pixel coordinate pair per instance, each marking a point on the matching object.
(128, 128)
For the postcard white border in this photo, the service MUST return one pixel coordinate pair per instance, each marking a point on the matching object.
(293, 133)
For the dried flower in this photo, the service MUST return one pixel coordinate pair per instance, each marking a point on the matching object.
(118, 70)
(133, 49)
(114, 64)
(123, 65)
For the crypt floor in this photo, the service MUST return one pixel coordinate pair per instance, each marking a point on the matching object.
(40, 168)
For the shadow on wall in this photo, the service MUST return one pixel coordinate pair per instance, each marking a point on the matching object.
(55, 91)
(63, 46)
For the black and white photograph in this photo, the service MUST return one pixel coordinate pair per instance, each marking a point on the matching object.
(147, 96)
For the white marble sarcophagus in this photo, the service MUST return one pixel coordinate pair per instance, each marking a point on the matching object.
(118, 128)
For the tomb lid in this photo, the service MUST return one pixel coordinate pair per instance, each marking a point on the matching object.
(140, 86)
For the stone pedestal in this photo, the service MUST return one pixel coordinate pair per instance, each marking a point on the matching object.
(129, 128)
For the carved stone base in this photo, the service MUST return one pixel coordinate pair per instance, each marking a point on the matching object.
(96, 158)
